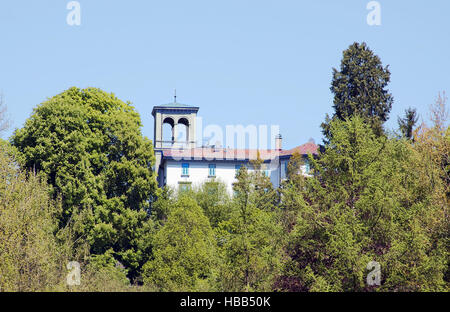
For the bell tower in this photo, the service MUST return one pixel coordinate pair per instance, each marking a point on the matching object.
(174, 114)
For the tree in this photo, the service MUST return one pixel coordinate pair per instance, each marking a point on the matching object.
(250, 241)
(89, 145)
(161, 208)
(407, 123)
(290, 190)
(432, 143)
(367, 202)
(213, 198)
(184, 251)
(359, 88)
(34, 251)
(29, 253)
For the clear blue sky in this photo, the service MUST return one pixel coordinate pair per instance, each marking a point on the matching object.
(243, 62)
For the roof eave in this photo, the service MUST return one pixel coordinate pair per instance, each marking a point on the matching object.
(179, 108)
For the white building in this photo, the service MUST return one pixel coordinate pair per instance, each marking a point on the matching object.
(182, 164)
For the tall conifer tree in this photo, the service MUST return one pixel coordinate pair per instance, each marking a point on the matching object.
(360, 88)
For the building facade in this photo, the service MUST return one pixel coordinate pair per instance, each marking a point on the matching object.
(181, 164)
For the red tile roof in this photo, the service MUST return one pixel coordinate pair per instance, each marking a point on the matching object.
(240, 154)
(307, 148)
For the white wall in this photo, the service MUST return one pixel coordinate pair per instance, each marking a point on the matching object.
(199, 172)
(225, 172)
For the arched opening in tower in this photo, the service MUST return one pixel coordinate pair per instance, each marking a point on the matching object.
(168, 131)
(182, 135)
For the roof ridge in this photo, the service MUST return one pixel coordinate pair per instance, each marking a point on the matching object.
(174, 104)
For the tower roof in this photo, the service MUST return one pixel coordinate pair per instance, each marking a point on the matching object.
(174, 106)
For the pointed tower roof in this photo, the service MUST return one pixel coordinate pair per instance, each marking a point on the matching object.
(174, 106)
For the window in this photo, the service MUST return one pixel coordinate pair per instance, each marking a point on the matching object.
(285, 168)
(267, 173)
(184, 186)
(185, 170)
(212, 170)
(307, 167)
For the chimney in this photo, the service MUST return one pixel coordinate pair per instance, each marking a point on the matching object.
(278, 142)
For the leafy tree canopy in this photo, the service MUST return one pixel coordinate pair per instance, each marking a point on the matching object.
(184, 251)
(89, 145)
(250, 241)
(370, 201)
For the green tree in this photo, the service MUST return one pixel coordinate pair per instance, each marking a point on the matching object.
(367, 202)
(432, 143)
(407, 123)
(213, 198)
(360, 88)
(29, 252)
(34, 252)
(251, 240)
(89, 145)
(161, 207)
(184, 251)
(290, 190)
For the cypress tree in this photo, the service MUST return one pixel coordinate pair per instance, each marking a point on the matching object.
(359, 88)
(407, 123)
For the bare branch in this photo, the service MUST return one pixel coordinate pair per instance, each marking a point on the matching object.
(439, 113)
(4, 122)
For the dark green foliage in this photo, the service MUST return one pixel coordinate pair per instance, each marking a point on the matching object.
(407, 123)
(250, 241)
(89, 145)
(367, 203)
(289, 192)
(360, 88)
(184, 254)
(161, 207)
(215, 201)
(369, 197)
(34, 251)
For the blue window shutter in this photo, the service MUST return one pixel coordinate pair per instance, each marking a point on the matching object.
(212, 170)
(185, 169)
